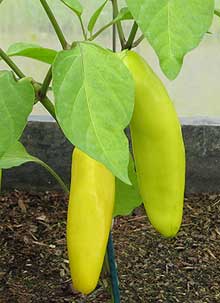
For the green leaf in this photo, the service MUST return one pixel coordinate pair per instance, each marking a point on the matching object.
(127, 197)
(16, 103)
(124, 14)
(16, 155)
(74, 5)
(95, 16)
(94, 100)
(33, 51)
(172, 27)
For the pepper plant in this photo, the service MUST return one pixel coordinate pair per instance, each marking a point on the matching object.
(94, 92)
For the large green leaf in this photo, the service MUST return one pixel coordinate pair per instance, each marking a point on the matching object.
(94, 99)
(172, 27)
(74, 5)
(127, 197)
(95, 16)
(15, 155)
(33, 51)
(16, 103)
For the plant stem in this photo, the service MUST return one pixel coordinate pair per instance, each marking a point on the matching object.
(54, 174)
(114, 38)
(11, 64)
(42, 94)
(101, 30)
(131, 37)
(46, 84)
(114, 45)
(110, 256)
(138, 41)
(46, 102)
(119, 26)
(113, 270)
(54, 23)
(83, 28)
(43, 90)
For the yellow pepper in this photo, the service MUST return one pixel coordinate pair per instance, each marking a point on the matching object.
(89, 219)
(158, 147)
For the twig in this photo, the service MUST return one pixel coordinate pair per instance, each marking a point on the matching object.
(46, 84)
(47, 103)
(118, 24)
(131, 37)
(55, 25)
(11, 64)
(138, 41)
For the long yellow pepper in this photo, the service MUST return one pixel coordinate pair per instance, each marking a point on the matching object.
(158, 147)
(89, 219)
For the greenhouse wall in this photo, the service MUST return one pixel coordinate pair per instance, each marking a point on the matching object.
(195, 92)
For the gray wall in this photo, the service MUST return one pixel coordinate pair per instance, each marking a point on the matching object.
(45, 140)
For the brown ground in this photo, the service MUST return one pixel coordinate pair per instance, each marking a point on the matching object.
(34, 266)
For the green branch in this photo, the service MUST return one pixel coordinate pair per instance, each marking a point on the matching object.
(11, 64)
(55, 25)
(118, 24)
(46, 84)
(114, 43)
(113, 22)
(101, 30)
(83, 28)
(138, 41)
(110, 263)
(47, 103)
(54, 174)
(131, 37)
(42, 94)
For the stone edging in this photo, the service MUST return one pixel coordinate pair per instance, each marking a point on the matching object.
(43, 139)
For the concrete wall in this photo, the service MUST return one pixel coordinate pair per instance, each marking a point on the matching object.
(46, 141)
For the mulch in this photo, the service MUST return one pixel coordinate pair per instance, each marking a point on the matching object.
(34, 263)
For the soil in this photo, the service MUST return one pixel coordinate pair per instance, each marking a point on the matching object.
(34, 263)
